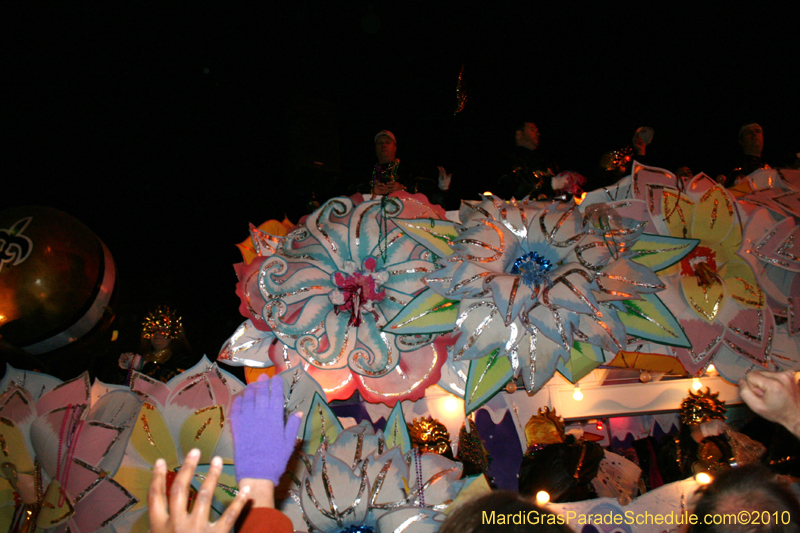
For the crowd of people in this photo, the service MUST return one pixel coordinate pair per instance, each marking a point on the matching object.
(527, 170)
(261, 461)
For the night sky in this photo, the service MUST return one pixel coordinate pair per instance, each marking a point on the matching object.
(167, 127)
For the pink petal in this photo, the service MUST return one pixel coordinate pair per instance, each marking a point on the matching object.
(415, 372)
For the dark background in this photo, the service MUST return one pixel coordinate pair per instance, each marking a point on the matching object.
(167, 127)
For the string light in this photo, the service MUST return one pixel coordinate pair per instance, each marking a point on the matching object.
(599, 425)
(451, 404)
(703, 478)
(711, 369)
(542, 497)
(577, 395)
(696, 385)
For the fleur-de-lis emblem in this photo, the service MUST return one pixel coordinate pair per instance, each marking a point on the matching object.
(14, 246)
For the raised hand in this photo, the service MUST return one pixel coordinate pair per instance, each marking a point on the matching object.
(262, 442)
(172, 516)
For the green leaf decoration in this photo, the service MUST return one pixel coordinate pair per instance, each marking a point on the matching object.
(321, 422)
(659, 252)
(650, 319)
(584, 358)
(435, 235)
(396, 432)
(486, 377)
(226, 489)
(427, 313)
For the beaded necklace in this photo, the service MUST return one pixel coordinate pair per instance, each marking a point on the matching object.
(384, 175)
(418, 468)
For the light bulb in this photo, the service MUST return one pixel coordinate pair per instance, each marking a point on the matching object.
(542, 497)
(578, 395)
(451, 404)
(703, 478)
(696, 385)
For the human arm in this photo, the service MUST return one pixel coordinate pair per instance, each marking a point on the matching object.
(262, 491)
(712, 428)
(394, 186)
(639, 146)
(172, 516)
(382, 189)
(262, 511)
(641, 138)
(379, 189)
(774, 396)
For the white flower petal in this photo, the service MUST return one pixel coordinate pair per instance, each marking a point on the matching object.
(511, 295)
(572, 289)
(334, 497)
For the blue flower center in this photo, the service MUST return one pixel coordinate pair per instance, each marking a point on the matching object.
(531, 267)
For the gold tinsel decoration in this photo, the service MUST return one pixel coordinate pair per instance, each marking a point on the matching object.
(617, 160)
(702, 407)
(162, 320)
(471, 449)
(430, 435)
(544, 428)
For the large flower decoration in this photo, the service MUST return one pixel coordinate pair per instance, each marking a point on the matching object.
(363, 480)
(190, 411)
(769, 242)
(533, 279)
(62, 443)
(714, 292)
(22, 480)
(327, 289)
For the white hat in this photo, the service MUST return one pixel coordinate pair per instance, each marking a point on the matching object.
(387, 133)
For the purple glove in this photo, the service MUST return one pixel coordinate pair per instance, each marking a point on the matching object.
(262, 444)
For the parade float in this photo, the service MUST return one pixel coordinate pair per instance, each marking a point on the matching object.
(421, 344)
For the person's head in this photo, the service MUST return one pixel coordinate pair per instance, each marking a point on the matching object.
(527, 135)
(385, 146)
(564, 470)
(750, 489)
(160, 327)
(159, 341)
(751, 138)
(519, 515)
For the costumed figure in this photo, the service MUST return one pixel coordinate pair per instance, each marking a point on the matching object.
(525, 170)
(471, 450)
(705, 443)
(429, 435)
(751, 139)
(556, 463)
(572, 469)
(164, 347)
(617, 164)
(389, 176)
